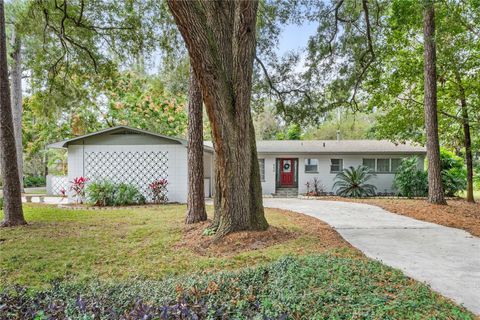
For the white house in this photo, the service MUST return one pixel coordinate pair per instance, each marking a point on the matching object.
(124, 154)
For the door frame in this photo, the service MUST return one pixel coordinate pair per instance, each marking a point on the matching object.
(277, 172)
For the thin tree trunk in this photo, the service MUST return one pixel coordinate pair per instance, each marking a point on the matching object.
(12, 206)
(467, 138)
(196, 195)
(435, 186)
(220, 38)
(17, 108)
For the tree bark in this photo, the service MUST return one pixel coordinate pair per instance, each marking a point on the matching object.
(220, 38)
(17, 107)
(196, 194)
(435, 186)
(12, 207)
(467, 138)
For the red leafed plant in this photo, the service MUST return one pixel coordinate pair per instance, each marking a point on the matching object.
(158, 188)
(78, 187)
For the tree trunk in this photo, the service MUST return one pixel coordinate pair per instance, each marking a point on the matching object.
(17, 108)
(435, 186)
(196, 194)
(467, 138)
(220, 38)
(12, 206)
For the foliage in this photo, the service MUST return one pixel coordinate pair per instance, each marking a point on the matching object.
(136, 242)
(409, 180)
(352, 126)
(315, 188)
(1, 203)
(314, 287)
(77, 186)
(100, 193)
(34, 181)
(294, 132)
(454, 173)
(351, 182)
(106, 193)
(158, 189)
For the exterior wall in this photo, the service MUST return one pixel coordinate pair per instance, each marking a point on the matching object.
(177, 164)
(383, 181)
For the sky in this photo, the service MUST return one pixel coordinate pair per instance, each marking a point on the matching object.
(295, 37)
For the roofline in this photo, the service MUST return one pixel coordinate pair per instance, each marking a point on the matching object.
(63, 144)
(342, 152)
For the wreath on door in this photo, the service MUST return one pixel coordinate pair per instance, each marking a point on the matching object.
(286, 166)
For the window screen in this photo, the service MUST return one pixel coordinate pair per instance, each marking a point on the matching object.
(311, 165)
(336, 165)
(383, 165)
(395, 164)
(261, 164)
(369, 163)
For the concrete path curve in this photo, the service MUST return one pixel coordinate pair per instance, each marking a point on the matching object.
(447, 259)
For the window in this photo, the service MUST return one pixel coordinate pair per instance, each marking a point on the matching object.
(336, 165)
(311, 165)
(369, 163)
(395, 164)
(261, 164)
(383, 165)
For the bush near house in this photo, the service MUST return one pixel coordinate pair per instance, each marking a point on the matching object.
(352, 182)
(454, 173)
(106, 193)
(409, 180)
(34, 181)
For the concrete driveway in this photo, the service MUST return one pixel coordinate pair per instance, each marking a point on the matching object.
(447, 259)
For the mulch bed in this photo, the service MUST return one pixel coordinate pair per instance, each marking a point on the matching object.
(237, 242)
(458, 213)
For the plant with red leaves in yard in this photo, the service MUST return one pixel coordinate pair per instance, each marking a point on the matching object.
(158, 188)
(78, 188)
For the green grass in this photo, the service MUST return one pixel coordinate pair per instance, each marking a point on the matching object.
(115, 258)
(117, 244)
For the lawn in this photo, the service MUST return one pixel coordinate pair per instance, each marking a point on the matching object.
(143, 262)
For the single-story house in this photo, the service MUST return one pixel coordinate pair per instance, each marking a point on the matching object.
(139, 157)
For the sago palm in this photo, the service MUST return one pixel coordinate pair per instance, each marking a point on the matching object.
(351, 182)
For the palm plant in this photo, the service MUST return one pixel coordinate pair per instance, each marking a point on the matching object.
(351, 182)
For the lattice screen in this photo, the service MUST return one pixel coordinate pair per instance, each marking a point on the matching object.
(59, 183)
(139, 168)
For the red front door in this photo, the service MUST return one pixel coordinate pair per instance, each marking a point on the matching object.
(286, 172)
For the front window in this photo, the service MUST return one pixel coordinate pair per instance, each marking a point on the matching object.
(383, 165)
(311, 165)
(261, 165)
(336, 165)
(395, 164)
(370, 163)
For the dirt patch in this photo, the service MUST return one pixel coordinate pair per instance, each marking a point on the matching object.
(295, 225)
(457, 213)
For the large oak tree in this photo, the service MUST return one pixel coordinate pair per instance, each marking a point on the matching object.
(8, 153)
(220, 38)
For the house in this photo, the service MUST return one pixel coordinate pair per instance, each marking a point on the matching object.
(124, 154)
(287, 165)
(134, 156)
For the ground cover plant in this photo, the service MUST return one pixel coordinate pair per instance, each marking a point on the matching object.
(106, 193)
(327, 286)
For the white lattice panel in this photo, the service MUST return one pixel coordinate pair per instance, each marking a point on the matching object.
(57, 184)
(139, 168)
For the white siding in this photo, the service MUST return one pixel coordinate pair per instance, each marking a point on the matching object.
(177, 164)
(383, 181)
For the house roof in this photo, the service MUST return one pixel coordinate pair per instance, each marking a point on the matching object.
(65, 143)
(336, 147)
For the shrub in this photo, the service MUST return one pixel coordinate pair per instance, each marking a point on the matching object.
(158, 189)
(78, 188)
(101, 193)
(454, 173)
(126, 194)
(351, 182)
(106, 193)
(315, 188)
(34, 181)
(409, 180)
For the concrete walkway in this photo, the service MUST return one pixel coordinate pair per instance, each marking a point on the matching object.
(447, 259)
